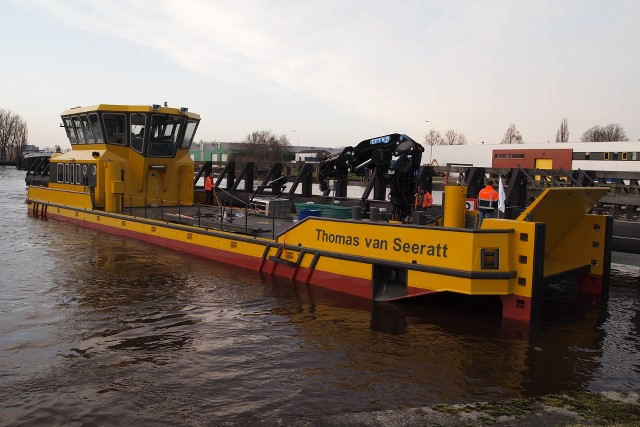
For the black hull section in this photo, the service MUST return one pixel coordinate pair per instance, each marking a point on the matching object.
(626, 237)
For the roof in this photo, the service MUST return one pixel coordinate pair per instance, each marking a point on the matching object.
(130, 109)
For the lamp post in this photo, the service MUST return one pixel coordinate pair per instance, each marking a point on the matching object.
(298, 134)
(430, 145)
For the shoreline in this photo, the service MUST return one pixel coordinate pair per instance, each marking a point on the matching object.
(571, 409)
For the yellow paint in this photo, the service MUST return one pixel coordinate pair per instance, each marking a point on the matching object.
(544, 163)
(584, 245)
(435, 258)
(143, 180)
(521, 253)
(561, 209)
(61, 197)
(187, 234)
(455, 250)
(455, 206)
(112, 174)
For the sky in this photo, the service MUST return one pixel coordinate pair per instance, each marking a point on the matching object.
(329, 73)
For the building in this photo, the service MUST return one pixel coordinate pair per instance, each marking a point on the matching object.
(223, 152)
(212, 151)
(311, 155)
(598, 156)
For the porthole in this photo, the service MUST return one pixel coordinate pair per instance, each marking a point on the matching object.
(93, 170)
(84, 170)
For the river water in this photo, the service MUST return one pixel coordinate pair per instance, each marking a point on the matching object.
(102, 330)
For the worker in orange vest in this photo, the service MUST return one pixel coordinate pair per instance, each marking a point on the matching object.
(487, 201)
(423, 199)
(209, 186)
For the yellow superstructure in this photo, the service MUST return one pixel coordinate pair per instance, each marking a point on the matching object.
(124, 156)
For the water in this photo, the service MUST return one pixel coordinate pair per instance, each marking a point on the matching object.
(98, 329)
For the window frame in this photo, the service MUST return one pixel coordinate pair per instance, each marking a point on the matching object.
(124, 129)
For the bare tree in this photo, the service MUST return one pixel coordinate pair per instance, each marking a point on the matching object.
(611, 132)
(18, 141)
(562, 135)
(453, 138)
(512, 136)
(13, 135)
(264, 147)
(433, 138)
(7, 124)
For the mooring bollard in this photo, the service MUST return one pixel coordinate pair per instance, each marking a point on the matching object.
(356, 213)
(416, 218)
(374, 214)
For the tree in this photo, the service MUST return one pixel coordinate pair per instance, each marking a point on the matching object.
(453, 138)
(562, 135)
(18, 141)
(13, 135)
(611, 132)
(264, 147)
(433, 138)
(512, 136)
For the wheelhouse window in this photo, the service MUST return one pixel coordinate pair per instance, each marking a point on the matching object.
(86, 129)
(60, 170)
(138, 123)
(115, 127)
(94, 124)
(164, 135)
(189, 133)
(71, 133)
(75, 120)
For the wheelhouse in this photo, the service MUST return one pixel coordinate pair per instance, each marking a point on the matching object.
(126, 156)
(151, 131)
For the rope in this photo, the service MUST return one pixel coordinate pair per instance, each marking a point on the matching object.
(232, 196)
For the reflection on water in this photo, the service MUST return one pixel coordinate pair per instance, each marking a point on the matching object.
(102, 329)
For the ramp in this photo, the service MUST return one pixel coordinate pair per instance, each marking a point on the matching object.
(562, 209)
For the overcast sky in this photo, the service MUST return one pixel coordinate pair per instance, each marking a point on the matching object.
(335, 72)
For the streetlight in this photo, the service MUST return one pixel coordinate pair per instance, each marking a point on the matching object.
(298, 134)
(430, 145)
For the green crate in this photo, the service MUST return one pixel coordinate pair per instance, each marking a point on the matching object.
(327, 211)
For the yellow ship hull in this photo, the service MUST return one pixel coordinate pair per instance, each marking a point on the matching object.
(512, 259)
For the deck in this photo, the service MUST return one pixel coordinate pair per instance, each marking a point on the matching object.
(249, 222)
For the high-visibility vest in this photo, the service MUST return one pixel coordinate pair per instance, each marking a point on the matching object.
(423, 200)
(208, 184)
(487, 199)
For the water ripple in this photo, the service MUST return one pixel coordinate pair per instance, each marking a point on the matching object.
(100, 329)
